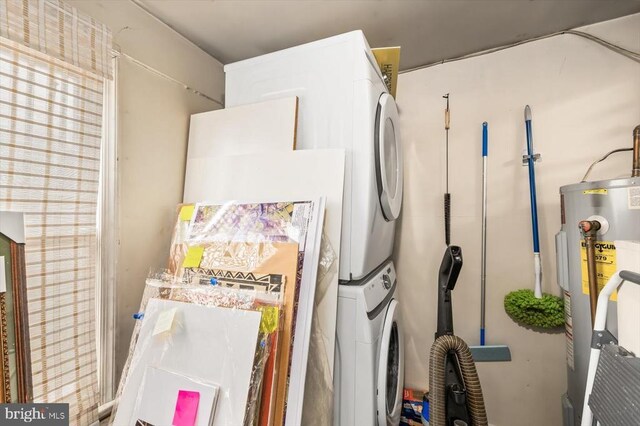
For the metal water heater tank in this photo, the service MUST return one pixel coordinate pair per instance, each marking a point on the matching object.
(613, 207)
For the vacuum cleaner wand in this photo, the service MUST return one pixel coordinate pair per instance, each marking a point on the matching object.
(455, 392)
(447, 278)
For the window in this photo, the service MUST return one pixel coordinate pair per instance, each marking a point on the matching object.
(107, 244)
(53, 64)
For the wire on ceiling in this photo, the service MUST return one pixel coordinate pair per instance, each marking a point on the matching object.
(165, 76)
(635, 56)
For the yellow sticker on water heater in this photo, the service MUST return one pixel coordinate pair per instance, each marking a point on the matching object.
(600, 191)
(605, 265)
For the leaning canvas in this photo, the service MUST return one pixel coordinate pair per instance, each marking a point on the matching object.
(214, 344)
(158, 396)
(257, 238)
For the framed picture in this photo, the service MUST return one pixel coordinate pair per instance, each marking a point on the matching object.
(15, 353)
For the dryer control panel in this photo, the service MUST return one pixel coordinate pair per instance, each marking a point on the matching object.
(377, 287)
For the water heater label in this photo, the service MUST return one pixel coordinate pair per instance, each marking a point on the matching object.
(634, 197)
(600, 191)
(605, 265)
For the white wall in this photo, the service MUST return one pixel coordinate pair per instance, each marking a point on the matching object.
(585, 102)
(153, 123)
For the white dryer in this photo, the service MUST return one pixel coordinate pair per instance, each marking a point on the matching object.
(369, 362)
(343, 103)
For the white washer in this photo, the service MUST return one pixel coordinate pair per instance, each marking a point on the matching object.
(369, 364)
(343, 103)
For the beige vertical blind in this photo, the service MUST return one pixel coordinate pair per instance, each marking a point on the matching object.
(52, 67)
(58, 30)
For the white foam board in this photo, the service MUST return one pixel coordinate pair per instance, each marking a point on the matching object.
(214, 344)
(262, 127)
(159, 394)
(294, 175)
(306, 302)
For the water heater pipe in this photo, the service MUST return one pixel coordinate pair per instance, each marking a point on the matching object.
(589, 230)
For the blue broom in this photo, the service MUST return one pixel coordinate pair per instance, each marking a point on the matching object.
(485, 353)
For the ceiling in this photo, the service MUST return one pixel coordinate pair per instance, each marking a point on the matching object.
(427, 30)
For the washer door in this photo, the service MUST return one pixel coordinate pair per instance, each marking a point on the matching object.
(389, 165)
(391, 368)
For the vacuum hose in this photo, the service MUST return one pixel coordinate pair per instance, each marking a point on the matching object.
(437, 386)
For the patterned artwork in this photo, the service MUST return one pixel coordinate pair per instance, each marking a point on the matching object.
(270, 283)
(259, 246)
(236, 236)
(236, 256)
(275, 222)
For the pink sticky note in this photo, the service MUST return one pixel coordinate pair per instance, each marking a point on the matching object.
(186, 408)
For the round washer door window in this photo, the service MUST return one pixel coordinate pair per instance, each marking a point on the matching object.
(391, 368)
(389, 166)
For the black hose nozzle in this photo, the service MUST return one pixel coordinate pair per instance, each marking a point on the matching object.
(447, 278)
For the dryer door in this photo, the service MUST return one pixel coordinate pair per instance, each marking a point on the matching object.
(389, 165)
(391, 368)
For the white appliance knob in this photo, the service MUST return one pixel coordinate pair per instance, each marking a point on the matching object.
(386, 281)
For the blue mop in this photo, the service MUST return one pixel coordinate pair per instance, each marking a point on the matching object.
(526, 307)
(531, 159)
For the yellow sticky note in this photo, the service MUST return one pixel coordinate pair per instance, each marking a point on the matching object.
(186, 212)
(269, 321)
(165, 321)
(193, 257)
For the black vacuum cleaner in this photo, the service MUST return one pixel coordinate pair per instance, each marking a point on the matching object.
(455, 394)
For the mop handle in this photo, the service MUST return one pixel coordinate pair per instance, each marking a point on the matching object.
(532, 180)
(534, 203)
(483, 271)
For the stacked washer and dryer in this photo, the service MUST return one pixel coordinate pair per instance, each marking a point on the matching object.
(344, 103)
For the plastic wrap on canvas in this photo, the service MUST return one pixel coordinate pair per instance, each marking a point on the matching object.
(250, 250)
(153, 352)
(170, 397)
(264, 242)
(254, 238)
(178, 245)
(233, 235)
(318, 401)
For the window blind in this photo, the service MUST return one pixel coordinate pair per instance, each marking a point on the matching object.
(50, 134)
(60, 31)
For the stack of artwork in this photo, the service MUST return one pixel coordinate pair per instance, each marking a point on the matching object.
(271, 258)
(218, 337)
